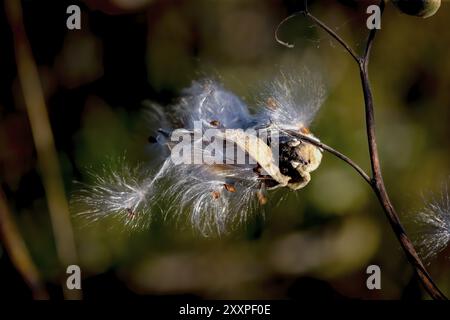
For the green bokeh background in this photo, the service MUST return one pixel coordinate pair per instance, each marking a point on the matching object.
(316, 242)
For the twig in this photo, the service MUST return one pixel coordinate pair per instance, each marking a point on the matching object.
(43, 139)
(277, 38)
(376, 181)
(333, 34)
(392, 216)
(334, 152)
(18, 252)
(321, 25)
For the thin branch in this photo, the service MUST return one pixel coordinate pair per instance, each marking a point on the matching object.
(18, 252)
(371, 37)
(48, 162)
(277, 38)
(322, 25)
(334, 35)
(334, 152)
(378, 183)
(382, 195)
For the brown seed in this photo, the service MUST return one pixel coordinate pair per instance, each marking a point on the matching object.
(215, 195)
(261, 198)
(215, 123)
(271, 103)
(130, 213)
(305, 130)
(229, 187)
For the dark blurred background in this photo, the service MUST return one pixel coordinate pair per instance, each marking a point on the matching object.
(316, 243)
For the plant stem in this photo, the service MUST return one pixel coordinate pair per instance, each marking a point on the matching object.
(334, 152)
(376, 182)
(377, 179)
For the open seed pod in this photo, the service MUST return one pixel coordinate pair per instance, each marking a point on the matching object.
(296, 158)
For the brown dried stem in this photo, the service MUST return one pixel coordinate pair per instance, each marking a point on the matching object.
(376, 181)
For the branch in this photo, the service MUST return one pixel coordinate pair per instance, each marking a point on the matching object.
(334, 152)
(378, 183)
(407, 245)
(277, 38)
(319, 23)
(334, 35)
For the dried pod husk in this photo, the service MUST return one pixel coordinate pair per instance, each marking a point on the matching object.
(258, 150)
(418, 8)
